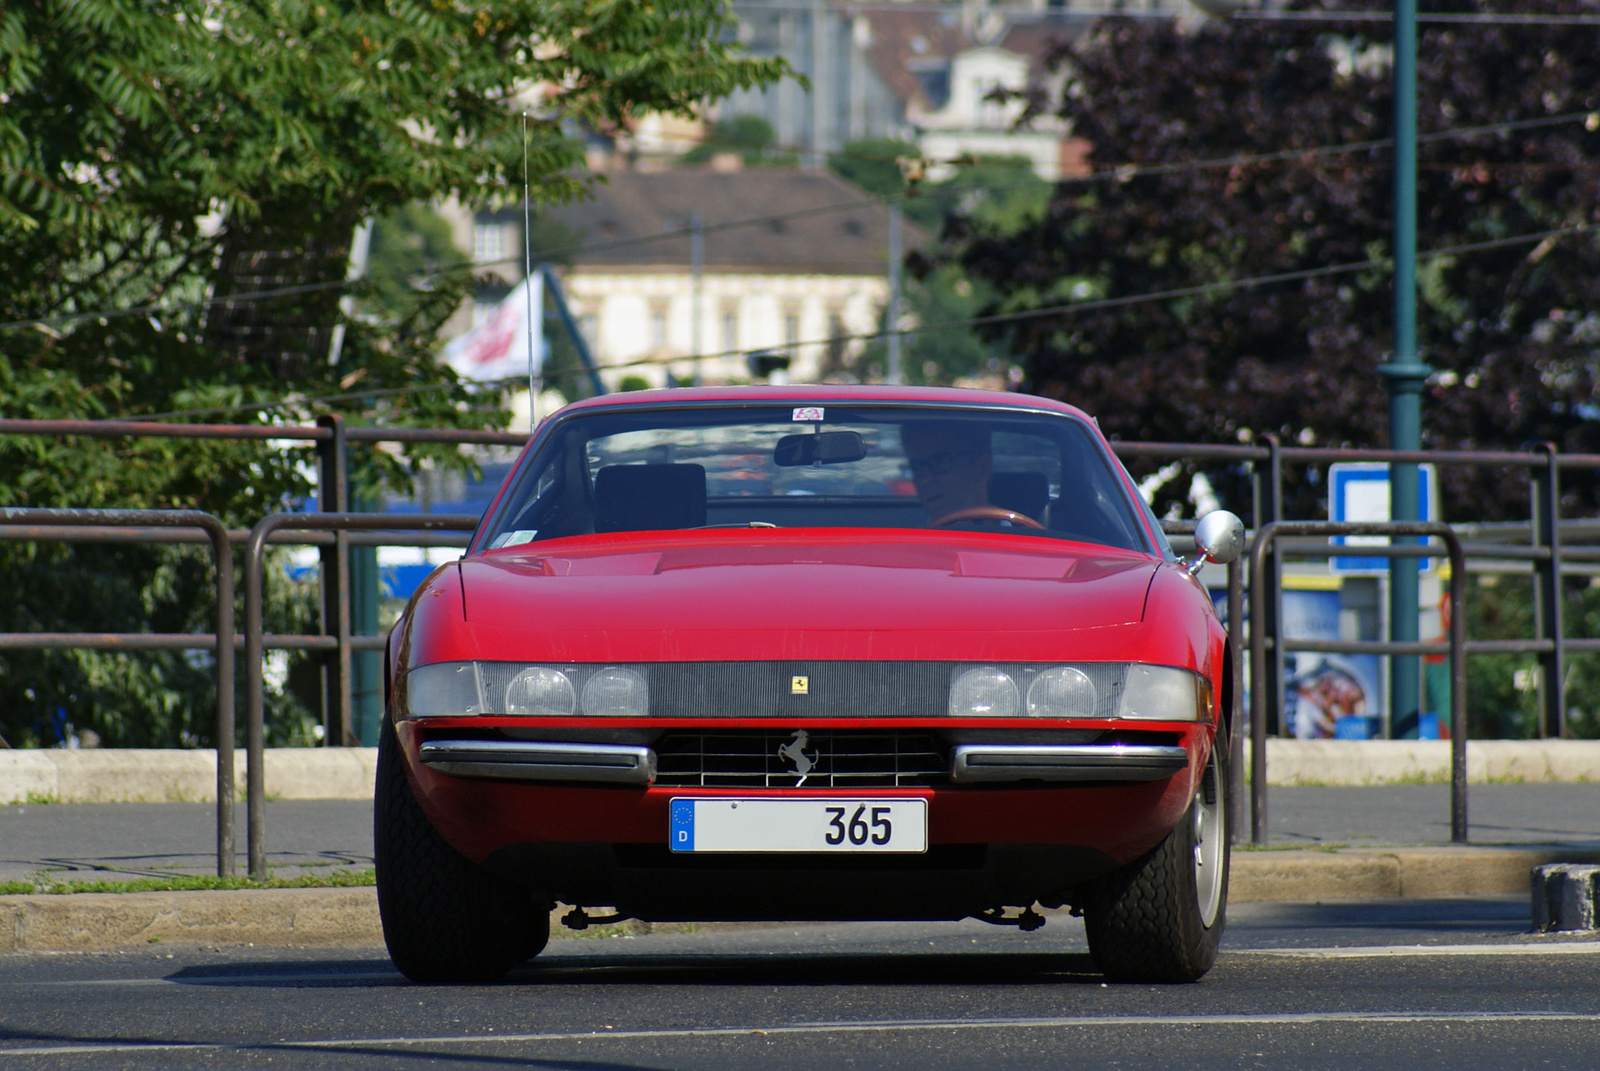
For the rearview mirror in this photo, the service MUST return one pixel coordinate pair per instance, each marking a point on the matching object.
(1219, 537)
(822, 448)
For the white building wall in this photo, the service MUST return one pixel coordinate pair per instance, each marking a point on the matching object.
(970, 125)
(624, 303)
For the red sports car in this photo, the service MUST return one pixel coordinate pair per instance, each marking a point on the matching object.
(936, 661)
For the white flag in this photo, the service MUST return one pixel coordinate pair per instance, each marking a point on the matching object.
(498, 347)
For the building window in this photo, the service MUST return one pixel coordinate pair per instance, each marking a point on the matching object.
(991, 113)
(658, 328)
(791, 331)
(483, 310)
(836, 340)
(730, 331)
(488, 241)
(589, 328)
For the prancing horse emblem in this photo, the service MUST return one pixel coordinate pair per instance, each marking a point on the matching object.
(795, 752)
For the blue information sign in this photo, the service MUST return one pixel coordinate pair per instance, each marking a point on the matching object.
(1359, 491)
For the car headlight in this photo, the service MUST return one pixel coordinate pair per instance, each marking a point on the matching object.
(1085, 690)
(441, 689)
(1164, 693)
(540, 690)
(459, 689)
(985, 691)
(1063, 692)
(616, 691)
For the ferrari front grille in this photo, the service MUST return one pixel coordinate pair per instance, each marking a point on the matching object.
(823, 758)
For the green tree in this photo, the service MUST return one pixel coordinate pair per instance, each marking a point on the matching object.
(1002, 194)
(874, 164)
(751, 136)
(410, 248)
(1511, 330)
(179, 183)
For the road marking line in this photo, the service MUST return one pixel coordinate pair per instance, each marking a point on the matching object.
(1406, 951)
(865, 1027)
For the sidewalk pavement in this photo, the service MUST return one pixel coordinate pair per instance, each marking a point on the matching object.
(1326, 843)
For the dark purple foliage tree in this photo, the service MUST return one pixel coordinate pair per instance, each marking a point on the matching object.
(1513, 331)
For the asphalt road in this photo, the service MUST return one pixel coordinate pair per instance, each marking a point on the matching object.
(89, 840)
(1413, 984)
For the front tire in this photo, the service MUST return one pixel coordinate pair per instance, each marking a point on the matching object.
(444, 919)
(1160, 918)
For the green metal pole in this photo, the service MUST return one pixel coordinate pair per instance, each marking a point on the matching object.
(1405, 374)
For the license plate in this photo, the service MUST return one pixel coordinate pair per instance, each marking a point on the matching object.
(808, 825)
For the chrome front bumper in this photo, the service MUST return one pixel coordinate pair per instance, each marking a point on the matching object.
(519, 760)
(990, 763)
(618, 764)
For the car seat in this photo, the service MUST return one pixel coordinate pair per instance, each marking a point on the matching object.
(645, 498)
(1027, 493)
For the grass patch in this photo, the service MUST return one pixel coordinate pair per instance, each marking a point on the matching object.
(45, 884)
(626, 928)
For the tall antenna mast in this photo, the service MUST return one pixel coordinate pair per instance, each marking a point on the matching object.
(527, 283)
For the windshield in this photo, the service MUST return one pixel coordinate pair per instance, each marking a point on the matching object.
(834, 466)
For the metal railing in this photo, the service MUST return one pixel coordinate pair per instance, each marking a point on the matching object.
(79, 526)
(133, 527)
(344, 641)
(1266, 673)
(1544, 464)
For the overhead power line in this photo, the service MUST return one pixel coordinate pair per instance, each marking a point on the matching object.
(1075, 307)
(1497, 18)
(1066, 309)
(1112, 172)
(1080, 15)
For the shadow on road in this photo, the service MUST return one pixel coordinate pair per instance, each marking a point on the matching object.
(791, 968)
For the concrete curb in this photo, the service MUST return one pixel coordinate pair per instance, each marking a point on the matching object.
(1384, 762)
(110, 775)
(158, 776)
(1387, 873)
(330, 918)
(277, 917)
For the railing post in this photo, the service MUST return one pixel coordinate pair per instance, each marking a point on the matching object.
(1236, 632)
(1458, 691)
(1269, 510)
(1259, 568)
(333, 496)
(1548, 624)
(255, 774)
(222, 554)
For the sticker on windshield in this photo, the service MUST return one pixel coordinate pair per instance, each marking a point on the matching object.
(808, 413)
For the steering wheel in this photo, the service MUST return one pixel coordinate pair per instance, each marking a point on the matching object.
(993, 513)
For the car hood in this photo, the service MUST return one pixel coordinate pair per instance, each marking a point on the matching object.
(914, 596)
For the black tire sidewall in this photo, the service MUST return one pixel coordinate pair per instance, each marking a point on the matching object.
(444, 918)
(1143, 920)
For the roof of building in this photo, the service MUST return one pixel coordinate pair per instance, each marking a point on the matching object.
(907, 44)
(810, 222)
(905, 41)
